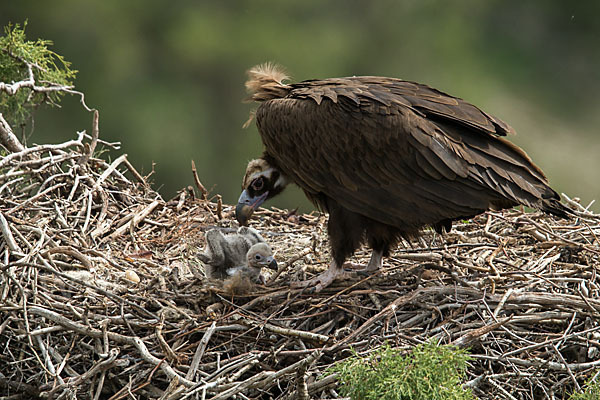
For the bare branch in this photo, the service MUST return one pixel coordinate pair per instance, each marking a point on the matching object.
(8, 138)
(199, 185)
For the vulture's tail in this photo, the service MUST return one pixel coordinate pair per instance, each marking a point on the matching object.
(265, 82)
(555, 207)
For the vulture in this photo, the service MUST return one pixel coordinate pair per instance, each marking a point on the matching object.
(259, 256)
(243, 253)
(384, 157)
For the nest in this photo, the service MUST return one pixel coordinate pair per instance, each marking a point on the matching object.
(102, 296)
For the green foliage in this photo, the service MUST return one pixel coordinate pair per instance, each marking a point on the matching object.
(429, 372)
(51, 73)
(591, 392)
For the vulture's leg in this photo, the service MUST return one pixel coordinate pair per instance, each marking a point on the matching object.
(381, 238)
(375, 262)
(345, 230)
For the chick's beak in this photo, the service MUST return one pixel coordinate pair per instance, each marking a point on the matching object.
(272, 263)
(246, 206)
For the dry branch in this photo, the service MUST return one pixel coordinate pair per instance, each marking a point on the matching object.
(8, 138)
(94, 333)
(199, 185)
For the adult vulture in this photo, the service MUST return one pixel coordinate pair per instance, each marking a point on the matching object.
(384, 157)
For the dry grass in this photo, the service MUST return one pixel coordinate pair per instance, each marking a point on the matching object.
(519, 289)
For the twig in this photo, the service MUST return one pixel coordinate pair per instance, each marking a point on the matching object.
(288, 332)
(288, 264)
(467, 339)
(163, 343)
(113, 166)
(200, 351)
(137, 218)
(92, 146)
(133, 341)
(265, 379)
(8, 236)
(199, 185)
(219, 211)
(8, 138)
(39, 149)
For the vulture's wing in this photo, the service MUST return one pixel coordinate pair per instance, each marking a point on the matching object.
(398, 152)
(422, 99)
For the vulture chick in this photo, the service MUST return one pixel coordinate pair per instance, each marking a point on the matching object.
(384, 157)
(244, 252)
(259, 255)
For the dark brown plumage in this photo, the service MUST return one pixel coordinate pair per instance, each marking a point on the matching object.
(385, 157)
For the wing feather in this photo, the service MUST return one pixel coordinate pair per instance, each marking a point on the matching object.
(398, 152)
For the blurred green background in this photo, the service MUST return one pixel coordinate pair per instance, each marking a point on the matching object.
(168, 77)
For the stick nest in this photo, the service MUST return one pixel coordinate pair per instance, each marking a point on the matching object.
(102, 296)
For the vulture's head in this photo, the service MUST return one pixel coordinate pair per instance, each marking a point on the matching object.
(261, 182)
(260, 255)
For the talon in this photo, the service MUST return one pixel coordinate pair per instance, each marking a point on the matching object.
(323, 280)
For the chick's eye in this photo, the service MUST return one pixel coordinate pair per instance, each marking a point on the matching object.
(257, 257)
(258, 183)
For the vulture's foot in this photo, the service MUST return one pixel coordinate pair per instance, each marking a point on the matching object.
(323, 280)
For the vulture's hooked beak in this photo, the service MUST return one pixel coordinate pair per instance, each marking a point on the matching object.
(246, 206)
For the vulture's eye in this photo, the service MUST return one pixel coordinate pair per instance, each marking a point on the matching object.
(258, 184)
